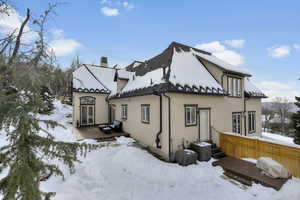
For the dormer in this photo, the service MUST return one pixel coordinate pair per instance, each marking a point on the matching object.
(122, 77)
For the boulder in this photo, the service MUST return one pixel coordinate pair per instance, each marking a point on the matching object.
(272, 168)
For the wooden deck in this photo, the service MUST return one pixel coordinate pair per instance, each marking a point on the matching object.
(247, 171)
(93, 132)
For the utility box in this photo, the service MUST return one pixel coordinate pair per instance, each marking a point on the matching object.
(185, 157)
(203, 149)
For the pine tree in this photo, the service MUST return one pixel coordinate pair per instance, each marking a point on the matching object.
(296, 122)
(31, 153)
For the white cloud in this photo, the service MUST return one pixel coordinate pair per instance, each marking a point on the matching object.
(279, 51)
(220, 51)
(12, 22)
(127, 5)
(110, 11)
(235, 43)
(211, 46)
(62, 46)
(275, 89)
(57, 33)
(296, 46)
(230, 57)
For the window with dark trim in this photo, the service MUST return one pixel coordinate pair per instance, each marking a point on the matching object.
(234, 87)
(145, 113)
(237, 122)
(251, 121)
(190, 115)
(124, 111)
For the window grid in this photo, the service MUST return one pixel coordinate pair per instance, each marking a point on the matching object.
(190, 115)
(237, 122)
(251, 121)
(124, 113)
(145, 114)
(234, 87)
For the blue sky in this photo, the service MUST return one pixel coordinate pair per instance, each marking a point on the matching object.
(262, 36)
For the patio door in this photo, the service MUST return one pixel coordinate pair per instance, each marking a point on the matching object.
(87, 115)
(204, 123)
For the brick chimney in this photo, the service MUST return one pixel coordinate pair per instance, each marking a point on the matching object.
(103, 62)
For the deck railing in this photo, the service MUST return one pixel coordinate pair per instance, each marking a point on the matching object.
(248, 147)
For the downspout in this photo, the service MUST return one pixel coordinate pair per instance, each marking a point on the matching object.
(157, 140)
(169, 122)
(245, 116)
(108, 113)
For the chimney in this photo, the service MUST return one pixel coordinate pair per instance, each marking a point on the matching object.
(103, 62)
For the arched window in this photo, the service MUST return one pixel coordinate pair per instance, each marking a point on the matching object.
(87, 100)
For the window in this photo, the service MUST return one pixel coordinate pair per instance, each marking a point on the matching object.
(251, 121)
(87, 100)
(146, 113)
(234, 87)
(190, 115)
(236, 122)
(124, 112)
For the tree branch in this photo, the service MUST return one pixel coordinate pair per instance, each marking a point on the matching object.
(18, 40)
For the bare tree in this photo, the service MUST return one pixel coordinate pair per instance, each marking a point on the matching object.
(282, 108)
(268, 114)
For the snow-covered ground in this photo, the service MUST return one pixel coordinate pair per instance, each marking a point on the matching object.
(123, 171)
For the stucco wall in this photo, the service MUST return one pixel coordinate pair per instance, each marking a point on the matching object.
(145, 133)
(121, 84)
(216, 71)
(101, 107)
(221, 109)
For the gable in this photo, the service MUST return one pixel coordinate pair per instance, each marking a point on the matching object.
(89, 78)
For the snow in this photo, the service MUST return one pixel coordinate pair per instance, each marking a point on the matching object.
(187, 70)
(221, 63)
(125, 74)
(84, 79)
(273, 138)
(149, 79)
(277, 137)
(251, 88)
(123, 171)
(252, 160)
(203, 144)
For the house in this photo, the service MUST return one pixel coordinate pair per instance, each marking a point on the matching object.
(180, 96)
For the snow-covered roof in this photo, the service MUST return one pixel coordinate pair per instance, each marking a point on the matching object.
(220, 63)
(139, 82)
(252, 90)
(124, 74)
(94, 79)
(187, 70)
(173, 70)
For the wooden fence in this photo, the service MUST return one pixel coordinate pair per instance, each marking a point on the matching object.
(245, 147)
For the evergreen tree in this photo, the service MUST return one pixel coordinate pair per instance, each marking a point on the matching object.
(296, 122)
(31, 153)
(47, 99)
